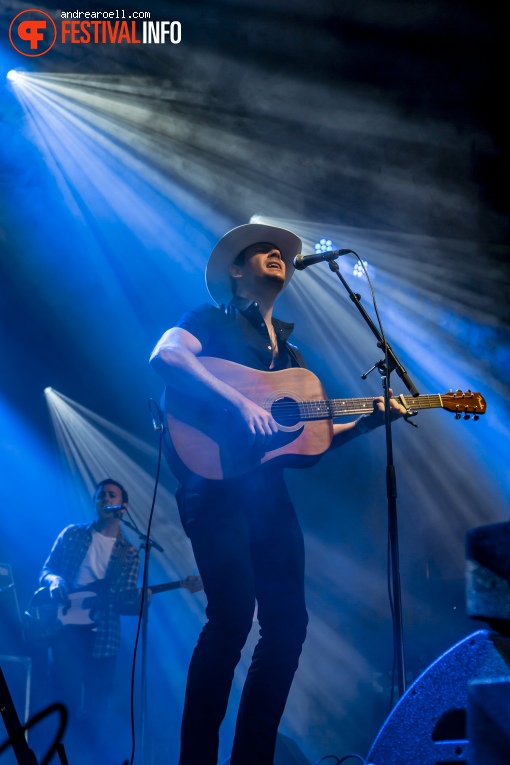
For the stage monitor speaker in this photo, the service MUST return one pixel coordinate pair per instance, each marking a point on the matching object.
(489, 721)
(428, 726)
(287, 752)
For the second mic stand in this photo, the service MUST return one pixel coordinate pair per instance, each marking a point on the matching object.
(385, 366)
(147, 544)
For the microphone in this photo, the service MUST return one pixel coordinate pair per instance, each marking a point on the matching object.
(113, 509)
(302, 261)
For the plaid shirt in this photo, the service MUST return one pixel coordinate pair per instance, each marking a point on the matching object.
(121, 580)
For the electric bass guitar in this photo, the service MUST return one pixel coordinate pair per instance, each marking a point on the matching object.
(45, 616)
(207, 440)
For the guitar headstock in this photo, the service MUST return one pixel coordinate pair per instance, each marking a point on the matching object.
(464, 404)
(192, 583)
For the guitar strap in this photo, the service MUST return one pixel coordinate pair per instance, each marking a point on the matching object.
(296, 354)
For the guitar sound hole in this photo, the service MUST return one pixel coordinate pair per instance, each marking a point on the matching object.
(286, 412)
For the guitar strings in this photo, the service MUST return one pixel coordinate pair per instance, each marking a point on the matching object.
(329, 408)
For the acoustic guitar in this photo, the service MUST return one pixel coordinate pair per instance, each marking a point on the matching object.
(45, 616)
(207, 440)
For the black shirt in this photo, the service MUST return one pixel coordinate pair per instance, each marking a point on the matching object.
(237, 332)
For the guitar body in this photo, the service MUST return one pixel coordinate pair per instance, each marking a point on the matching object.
(44, 617)
(207, 441)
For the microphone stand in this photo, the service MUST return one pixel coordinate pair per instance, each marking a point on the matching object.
(147, 545)
(385, 366)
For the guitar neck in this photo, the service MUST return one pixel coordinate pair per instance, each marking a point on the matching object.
(339, 407)
(155, 588)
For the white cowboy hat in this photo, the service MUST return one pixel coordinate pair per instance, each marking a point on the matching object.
(217, 275)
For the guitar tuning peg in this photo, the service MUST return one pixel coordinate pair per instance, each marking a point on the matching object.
(457, 415)
(467, 416)
(476, 417)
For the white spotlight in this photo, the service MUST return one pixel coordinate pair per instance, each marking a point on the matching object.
(14, 75)
(358, 269)
(48, 390)
(324, 245)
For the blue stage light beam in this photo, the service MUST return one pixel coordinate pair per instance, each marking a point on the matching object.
(444, 331)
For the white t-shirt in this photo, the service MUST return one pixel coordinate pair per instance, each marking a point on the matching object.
(96, 560)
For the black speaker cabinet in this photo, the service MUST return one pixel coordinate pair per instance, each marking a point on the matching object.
(428, 726)
(11, 636)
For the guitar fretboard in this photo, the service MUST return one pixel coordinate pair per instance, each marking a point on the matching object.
(341, 406)
(155, 588)
(337, 407)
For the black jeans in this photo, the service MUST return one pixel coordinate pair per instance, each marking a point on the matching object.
(84, 685)
(248, 546)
